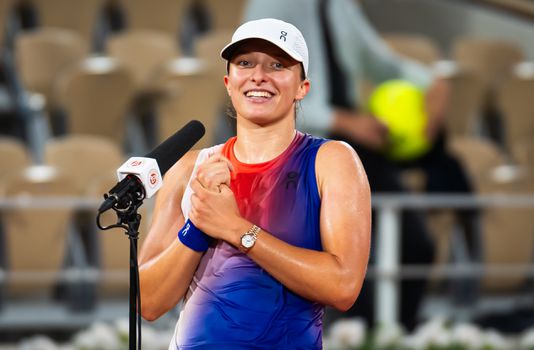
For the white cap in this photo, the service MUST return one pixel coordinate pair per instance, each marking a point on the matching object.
(282, 34)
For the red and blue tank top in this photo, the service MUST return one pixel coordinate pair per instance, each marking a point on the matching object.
(232, 302)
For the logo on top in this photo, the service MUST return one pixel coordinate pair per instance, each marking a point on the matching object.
(292, 179)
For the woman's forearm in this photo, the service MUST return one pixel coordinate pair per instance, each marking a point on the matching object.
(315, 275)
(165, 278)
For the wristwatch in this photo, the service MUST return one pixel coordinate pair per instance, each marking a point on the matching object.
(249, 238)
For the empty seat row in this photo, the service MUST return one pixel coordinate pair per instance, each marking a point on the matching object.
(94, 19)
(103, 95)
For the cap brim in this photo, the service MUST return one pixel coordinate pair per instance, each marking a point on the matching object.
(229, 49)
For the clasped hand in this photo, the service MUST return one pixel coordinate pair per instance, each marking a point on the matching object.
(213, 204)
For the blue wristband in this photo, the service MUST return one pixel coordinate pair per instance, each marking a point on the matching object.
(192, 237)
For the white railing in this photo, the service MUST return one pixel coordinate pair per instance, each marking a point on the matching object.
(388, 270)
(29, 202)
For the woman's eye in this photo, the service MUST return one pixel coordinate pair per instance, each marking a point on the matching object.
(243, 63)
(278, 65)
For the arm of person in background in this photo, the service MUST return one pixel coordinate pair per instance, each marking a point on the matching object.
(166, 266)
(364, 128)
(317, 117)
(331, 277)
(436, 100)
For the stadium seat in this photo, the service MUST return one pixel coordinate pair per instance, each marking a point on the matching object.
(224, 15)
(414, 46)
(141, 52)
(479, 156)
(85, 157)
(464, 107)
(42, 54)
(39, 241)
(507, 232)
(89, 160)
(81, 17)
(96, 95)
(187, 83)
(158, 15)
(14, 155)
(490, 59)
(514, 100)
(208, 46)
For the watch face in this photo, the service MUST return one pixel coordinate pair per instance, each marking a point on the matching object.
(247, 241)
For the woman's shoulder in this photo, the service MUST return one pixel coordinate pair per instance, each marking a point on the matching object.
(325, 148)
(182, 169)
(339, 169)
(336, 146)
(334, 156)
(187, 163)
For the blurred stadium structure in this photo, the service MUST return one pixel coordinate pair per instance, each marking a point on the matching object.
(86, 83)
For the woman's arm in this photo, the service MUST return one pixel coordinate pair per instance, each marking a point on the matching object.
(333, 276)
(166, 267)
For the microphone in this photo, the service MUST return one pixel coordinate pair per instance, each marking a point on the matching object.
(142, 176)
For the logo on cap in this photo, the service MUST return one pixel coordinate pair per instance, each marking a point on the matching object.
(283, 35)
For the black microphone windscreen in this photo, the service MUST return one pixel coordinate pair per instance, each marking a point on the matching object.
(173, 148)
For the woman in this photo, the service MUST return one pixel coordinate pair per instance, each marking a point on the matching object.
(286, 215)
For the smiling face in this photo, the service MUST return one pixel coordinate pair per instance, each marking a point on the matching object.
(264, 82)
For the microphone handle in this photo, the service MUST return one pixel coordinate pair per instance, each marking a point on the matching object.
(117, 196)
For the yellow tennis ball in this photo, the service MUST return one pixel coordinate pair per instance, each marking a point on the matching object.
(401, 106)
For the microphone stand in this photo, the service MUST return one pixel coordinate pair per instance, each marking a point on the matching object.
(127, 218)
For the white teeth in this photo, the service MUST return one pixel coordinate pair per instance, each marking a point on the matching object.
(258, 94)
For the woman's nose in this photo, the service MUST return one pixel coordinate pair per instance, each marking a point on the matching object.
(258, 73)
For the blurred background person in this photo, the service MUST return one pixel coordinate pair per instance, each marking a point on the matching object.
(344, 50)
